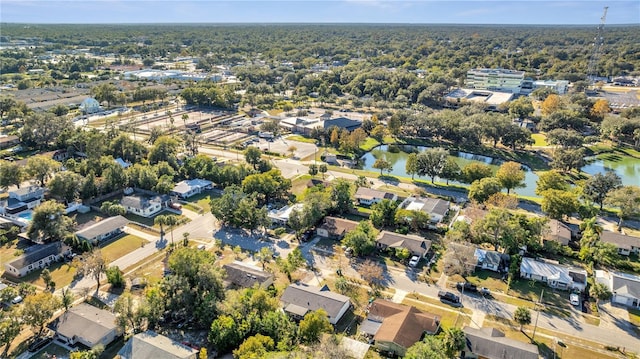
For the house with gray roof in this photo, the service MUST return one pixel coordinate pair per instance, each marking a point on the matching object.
(151, 345)
(490, 343)
(342, 123)
(300, 299)
(436, 208)
(416, 245)
(555, 275)
(103, 229)
(244, 275)
(368, 196)
(36, 257)
(624, 287)
(626, 244)
(491, 260)
(142, 205)
(87, 325)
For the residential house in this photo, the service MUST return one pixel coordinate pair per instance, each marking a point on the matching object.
(103, 229)
(554, 274)
(557, 232)
(300, 299)
(36, 257)
(368, 196)
(281, 216)
(416, 245)
(151, 345)
(396, 327)
(187, 188)
(490, 343)
(22, 199)
(142, 205)
(87, 325)
(491, 260)
(335, 228)
(437, 209)
(122, 163)
(243, 275)
(624, 287)
(626, 244)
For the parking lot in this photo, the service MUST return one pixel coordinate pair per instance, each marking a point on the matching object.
(281, 145)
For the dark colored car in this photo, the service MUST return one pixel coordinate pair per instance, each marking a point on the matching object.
(468, 287)
(38, 344)
(449, 298)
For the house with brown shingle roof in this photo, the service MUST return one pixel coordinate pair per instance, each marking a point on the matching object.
(557, 232)
(369, 196)
(416, 245)
(336, 228)
(396, 327)
(626, 244)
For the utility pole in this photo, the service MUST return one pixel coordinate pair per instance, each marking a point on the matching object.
(533, 337)
(592, 69)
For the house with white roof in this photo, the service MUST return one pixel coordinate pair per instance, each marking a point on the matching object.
(22, 199)
(436, 208)
(142, 205)
(187, 188)
(281, 216)
(555, 275)
(624, 287)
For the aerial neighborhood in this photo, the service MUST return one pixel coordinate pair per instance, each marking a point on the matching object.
(299, 191)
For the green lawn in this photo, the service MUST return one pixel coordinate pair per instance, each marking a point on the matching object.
(530, 290)
(634, 318)
(369, 144)
(61, 273)
(540, 139)
(449, 318)
(299, 138)
(203, 199)
(121, 247)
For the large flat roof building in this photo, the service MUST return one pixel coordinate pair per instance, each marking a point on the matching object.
(495, 80)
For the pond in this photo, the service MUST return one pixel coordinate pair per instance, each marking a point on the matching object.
(627, 168)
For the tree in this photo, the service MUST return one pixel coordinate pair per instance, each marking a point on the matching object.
(129, 312)
(450, 170)
(41, 130)
(383, 165)
(567, 159)
(292, 149)
(341, 196)
(10, 327)
(431, 162)
(46, 278)
(11, 174)
(361, 239)
(627, 199)
(164, 149)
(113, 208)
(429, 348)
(599, 291)
(226, 333)
(41, 168)
(459, 259)
(313, 326)
(558, 203)
(372, 273)
(49, 223)
(522, 316)
(254, 347)
(600, 109)
(521, 107)
(551, 179)
(323, 169)
(313, 169)
(105, 92)
(65, 186)
(597, 187)
(482, 189)
(160, 220)
(94, 265)
(253, 156)
(383, 213)
(510, 175)
(454, 341)
(66, 298)
(38, 309)
(264, 256)
(475, 171)
(115, 277)
(550, 105)
(411, 166)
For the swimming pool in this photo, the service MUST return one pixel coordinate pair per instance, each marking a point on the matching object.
(26, 215)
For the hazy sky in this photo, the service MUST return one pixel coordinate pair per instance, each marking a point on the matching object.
(309, 11)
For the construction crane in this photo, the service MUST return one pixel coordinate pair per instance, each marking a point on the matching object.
(592, 69)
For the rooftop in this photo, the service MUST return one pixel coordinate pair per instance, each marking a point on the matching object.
(104, 226)
(311, 298)
(620, 240)
(87, 322)
(491, 343)
(413, 243)
(552, 270)
(481, 96)
(37, 252)
(338, 226)
(426, 204)
(244, 275)
(370, 193)
(151, 345)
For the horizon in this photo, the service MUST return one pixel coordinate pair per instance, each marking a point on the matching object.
(392, 12)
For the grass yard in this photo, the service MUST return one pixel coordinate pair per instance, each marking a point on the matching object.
(299, 138)
(61, 273)
(50, 351)
(369, 144)
(299, 185)
(121, 247)
(8, 253)
(203, 199)
(448, 318)
(149, 221)
(530, 290)
(82, 218)
(634, 318)
(540, 140)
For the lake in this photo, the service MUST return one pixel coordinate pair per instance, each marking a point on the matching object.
(626, 167)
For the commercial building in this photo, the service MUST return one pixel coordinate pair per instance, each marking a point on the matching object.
(495, 80)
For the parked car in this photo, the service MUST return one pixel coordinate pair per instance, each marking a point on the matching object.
(16, 300)
(349, 252)
(574, 298)
(38, 344)
(466, 287)
(485, 292)
(414, 261)
(449, 298)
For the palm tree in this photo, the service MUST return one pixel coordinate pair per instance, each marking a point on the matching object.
(185, 117)
(161, 221)
(171, 221)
